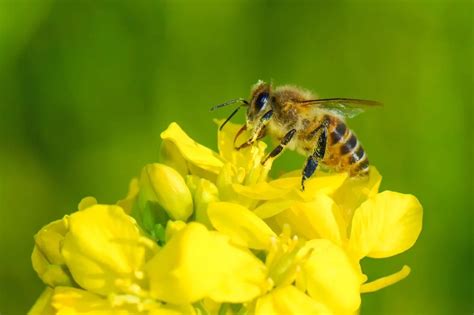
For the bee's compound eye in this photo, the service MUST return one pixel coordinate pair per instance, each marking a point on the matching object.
(261, 101)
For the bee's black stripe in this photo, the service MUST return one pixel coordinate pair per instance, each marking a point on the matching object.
(357, 155)
(349, 145)
(338, 133)
(363, 165)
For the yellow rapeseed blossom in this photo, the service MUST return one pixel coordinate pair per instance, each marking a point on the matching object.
(204, 232)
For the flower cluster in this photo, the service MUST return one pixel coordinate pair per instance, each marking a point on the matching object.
(211, 233)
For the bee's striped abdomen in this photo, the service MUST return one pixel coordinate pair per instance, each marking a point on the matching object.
(346, 152)
(337, 132)
(358, 161)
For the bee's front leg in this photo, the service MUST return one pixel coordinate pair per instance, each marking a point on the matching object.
(250, 141)
(317, 155)
(286, 139)
(258, 132)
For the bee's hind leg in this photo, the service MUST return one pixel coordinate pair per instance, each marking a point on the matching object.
(317, 155)
(277, 150)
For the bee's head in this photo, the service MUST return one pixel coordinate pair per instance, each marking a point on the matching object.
(260, 102)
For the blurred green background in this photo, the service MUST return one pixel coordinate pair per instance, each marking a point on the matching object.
(87, 86)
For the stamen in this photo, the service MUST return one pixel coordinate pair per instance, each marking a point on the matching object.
(118, 300)
(135, 289)
(139, 274)
(148, 243)
(270, 283)
(385, 281)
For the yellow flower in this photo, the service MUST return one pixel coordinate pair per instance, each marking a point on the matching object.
(104, 250)
(206, 232)
(197, 263)
(319, 267)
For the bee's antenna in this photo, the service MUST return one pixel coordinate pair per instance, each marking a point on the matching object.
(236, 100)
(230, 117)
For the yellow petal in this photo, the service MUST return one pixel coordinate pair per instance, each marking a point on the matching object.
(43, 305)
(104, 249)
(49, 240)
(289, 300)
(86, 202)
(206, 192)
(330, 277)
(171, 156)
(271, 208)
(243, 226)
(319, 218)
(356, 190)
(47, 260)
(197, 263)
(385, 225)
(51, 274)
(225, 141)
(194, 153)
(385, 281)
(261, 191)
(172, 228)
(163, 185)
(290, 187)
(212, 307)
(321, 182)
(127, 203)
(243, 276)
(168, 309)
(68, 301)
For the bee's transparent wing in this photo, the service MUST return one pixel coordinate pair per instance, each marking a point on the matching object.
(347, 107)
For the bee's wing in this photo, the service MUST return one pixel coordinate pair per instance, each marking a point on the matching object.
(347, 107)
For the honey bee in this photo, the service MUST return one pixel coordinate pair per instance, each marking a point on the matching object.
(298, 120)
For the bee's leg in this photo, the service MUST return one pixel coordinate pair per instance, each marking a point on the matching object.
(242, 129)
(286, 139)
(249, 142)
(258, 132)
(317, 155)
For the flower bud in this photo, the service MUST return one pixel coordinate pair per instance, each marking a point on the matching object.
(204, 192)
(163, 185)
(47, 259)
(171, 156)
